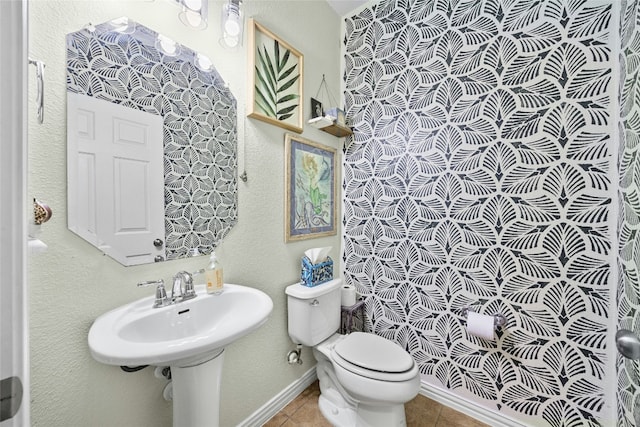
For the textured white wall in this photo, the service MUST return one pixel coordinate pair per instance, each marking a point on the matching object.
(73, 283)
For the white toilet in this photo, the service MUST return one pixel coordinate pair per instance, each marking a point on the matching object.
(364, 379)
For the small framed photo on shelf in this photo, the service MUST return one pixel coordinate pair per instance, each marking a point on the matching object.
(311, 189)
(316, 108)
(275, 79)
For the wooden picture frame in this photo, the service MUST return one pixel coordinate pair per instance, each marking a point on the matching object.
(311, 205)
(275, 79)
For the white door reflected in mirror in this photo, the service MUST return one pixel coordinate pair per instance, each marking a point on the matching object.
(115, 179)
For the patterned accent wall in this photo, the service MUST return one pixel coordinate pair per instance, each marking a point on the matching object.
(200, 135)
(628, 398)
(478, 175)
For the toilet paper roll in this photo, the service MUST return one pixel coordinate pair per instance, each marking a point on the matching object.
(348, 295)
(481, 325)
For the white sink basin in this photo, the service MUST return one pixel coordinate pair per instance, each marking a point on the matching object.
(181, 334)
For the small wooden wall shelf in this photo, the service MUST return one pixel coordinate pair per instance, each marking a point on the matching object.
(329, 126)
(338, 130)
(329, 122)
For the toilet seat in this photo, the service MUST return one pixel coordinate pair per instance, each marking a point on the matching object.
(374, 357)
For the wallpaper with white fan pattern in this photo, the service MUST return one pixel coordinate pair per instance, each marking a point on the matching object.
(479, 175)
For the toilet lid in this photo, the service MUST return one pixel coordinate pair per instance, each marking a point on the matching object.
(374, 353)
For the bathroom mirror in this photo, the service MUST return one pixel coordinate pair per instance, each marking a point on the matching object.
(151, 145)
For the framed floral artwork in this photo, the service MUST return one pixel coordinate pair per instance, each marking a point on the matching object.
(311, 189)
(275, 79)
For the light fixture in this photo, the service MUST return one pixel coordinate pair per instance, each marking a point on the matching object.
(166, 45)
(194, 13)
(232, 24)
(123, 25)
(203, 62)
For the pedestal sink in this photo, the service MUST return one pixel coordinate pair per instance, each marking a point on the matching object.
(188, 336)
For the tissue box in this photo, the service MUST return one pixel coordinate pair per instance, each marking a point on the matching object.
(316, 274)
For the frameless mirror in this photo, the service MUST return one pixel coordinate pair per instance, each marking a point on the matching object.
(151, 145)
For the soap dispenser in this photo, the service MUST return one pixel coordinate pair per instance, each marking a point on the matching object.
(213, 275)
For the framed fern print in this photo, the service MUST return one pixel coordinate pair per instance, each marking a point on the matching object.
(311, 189)
(276, 79)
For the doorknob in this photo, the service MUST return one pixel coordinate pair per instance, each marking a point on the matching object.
(628, 344)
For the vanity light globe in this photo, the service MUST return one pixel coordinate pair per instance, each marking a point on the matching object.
(190, 18)
(194, 5)
(166, 45)
(232, 25)
(203, 62)
(122, 25)
(194, 13)
(229, 41)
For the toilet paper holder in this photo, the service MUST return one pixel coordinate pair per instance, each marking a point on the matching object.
(498, 319)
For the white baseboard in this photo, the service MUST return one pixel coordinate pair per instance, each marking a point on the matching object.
(447, 398)
(279, 401)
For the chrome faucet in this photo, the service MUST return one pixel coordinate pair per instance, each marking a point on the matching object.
(182, 287)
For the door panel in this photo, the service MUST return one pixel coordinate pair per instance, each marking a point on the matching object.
(14, 356)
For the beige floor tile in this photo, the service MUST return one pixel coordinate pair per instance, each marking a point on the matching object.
(309, 415)
(299, 401)
(422, 412)
(303, 411)
(278, 420)
(451, 418)
(314, 388)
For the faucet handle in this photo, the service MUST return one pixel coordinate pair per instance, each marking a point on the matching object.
(189, 290)
(197, 273)
(151, 282)
(161, 294)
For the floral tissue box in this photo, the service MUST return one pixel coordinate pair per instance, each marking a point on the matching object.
(316, 274)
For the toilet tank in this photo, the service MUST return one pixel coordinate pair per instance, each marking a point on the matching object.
(313, 312)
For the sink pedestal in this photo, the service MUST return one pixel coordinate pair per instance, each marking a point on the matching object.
(196, 393)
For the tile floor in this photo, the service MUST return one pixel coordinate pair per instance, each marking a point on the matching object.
(303, 411)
